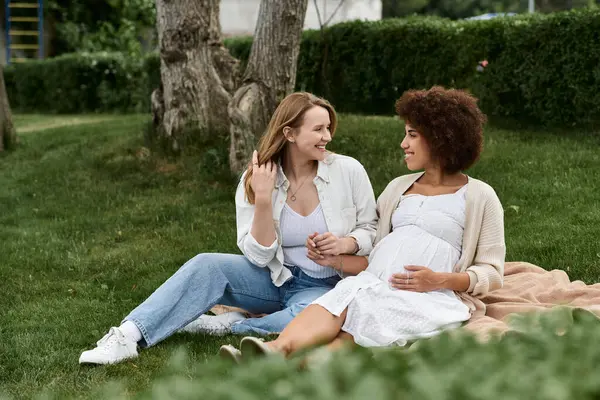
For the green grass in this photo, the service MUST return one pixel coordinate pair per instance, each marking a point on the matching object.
(90, 226)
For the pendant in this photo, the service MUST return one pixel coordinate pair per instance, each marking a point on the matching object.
(293, 198)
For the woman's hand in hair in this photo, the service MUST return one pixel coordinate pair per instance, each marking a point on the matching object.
(263, 178)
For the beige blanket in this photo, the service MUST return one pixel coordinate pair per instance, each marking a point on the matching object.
(527, 288)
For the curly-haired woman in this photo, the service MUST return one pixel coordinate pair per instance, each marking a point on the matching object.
(440, 240)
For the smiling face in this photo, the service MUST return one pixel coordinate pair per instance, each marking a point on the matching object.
(310, 139)
(416, 150)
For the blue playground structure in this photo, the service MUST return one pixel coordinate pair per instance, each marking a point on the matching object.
(24, 30)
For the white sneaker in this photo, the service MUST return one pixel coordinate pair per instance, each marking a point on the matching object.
(113, 348)
(217, 325)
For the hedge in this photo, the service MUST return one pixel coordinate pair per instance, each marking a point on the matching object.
(548, 69)
(541, 67)
(544, 68)
(76, 83)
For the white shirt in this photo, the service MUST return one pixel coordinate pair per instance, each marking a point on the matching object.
(346, 197)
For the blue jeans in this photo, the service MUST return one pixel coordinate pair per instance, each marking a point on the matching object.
(228, 279)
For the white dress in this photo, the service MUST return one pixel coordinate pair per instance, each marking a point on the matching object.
(426, 231)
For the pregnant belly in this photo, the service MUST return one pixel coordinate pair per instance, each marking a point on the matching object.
(411, 245)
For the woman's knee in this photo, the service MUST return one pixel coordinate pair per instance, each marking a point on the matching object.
(345, 336)
(297, 308)
(216, 265)
(204, 265)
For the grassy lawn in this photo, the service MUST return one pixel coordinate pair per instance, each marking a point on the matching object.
(39, 122)
(90, 226)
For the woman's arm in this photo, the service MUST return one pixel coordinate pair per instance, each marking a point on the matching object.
(366, 214)
(263, 229)
(263, 183)
(256, 235)
(456, 281)
(245, 220)
(350, 265)
(422, 279)
(346, 265)
(487, 269)
(360, 239)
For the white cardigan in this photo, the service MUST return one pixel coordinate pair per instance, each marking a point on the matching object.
(483, 248)
(348, 203)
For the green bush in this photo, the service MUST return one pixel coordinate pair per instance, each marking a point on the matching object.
(239, 47)
(76, 83)
(532, 364)
(542, 68)
(548, 68)
(364, 67)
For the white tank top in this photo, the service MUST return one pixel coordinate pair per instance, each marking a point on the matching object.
(295, 228)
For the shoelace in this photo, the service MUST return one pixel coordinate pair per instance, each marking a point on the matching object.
(113, 335)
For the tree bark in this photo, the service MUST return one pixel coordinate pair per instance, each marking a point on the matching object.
(8, 135)
(198, 75)
(270, 75)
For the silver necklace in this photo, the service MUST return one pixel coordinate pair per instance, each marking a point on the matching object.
(293, 197)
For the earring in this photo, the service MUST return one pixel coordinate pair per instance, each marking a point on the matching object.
(292, 141)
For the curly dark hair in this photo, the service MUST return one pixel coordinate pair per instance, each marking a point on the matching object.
(450, 122)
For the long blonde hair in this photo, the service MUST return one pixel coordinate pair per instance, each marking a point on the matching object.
(290, 112)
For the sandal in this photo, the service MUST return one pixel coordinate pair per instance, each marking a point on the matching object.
(253, 347)
(230, 353)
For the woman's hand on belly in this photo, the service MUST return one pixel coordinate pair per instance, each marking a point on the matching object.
(423, 279)
(418, 279)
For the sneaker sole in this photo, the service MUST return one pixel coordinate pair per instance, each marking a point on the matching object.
(210, 332)
(100, 362)
(229, 353)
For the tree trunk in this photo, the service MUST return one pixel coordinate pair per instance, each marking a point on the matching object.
(198, 75)
(8, 135)
(270, 75)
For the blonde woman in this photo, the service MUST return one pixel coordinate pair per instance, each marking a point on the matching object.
(440, 240)
(294, 194)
